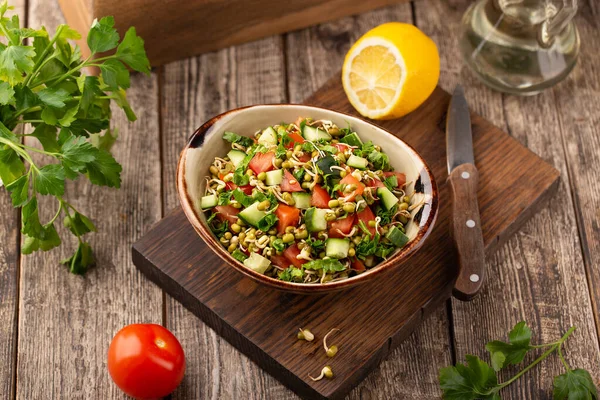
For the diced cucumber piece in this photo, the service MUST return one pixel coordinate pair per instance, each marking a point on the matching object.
(257, 263)
(352, 139)
(268, 137)
(209, 201)
(302, 200)
(315, 219)
(393, 180)
(274, 177)
(357, 162)
(387, 198)
(251, 215)
(326, 163)
(238, 255)
(397, 237)
(236, 157)
(314, 134)
(337, 248)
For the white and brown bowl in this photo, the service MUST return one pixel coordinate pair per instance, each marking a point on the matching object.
(206, 143)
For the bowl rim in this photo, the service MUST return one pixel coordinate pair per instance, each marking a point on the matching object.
(207, 236)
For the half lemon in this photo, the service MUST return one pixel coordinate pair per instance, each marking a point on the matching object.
(390, 71)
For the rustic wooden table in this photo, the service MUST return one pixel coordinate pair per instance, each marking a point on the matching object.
(55, 327)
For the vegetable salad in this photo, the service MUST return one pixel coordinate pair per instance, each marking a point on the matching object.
(307, 202)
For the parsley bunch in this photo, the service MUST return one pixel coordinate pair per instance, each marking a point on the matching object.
(477, 380)
(41, 85)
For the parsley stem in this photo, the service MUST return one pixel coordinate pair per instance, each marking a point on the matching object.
(538, 360)
(60, 206)
(42, 60)
(64, 76)
(562, 359)
(24, 111)
(5, 32)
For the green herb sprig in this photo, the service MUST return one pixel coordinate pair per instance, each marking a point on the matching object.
(42, 85)
(477, 380)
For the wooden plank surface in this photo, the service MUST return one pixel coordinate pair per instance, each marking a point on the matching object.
(411, 370)
(577, 103)
(66, 321)
(539, 275)
(193, 91)
(9, 271)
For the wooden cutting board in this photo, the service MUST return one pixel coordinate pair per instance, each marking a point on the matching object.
(375, 317)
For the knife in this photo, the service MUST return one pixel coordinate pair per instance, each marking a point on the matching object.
(465, 226)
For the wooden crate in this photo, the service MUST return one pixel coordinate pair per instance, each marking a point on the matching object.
(175, 29)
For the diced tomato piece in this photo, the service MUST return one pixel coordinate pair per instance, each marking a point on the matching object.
(341, 146)
(247, 189)
(227, 213)
(320, 198)
(296, 139)
(291, 252)
(290, 183)
(262, 162)
(280, 261)
(340, 226)
(349, 180)
(365, 216)
(305, 157)
(288, 216)
(357, 265)
(399, 176)
(376, 183)
(230, 185)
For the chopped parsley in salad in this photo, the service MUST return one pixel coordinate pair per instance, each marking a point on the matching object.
(306, 202)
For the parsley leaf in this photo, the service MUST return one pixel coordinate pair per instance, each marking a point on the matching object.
(102, 35)
(315, 244)
(278, 245)
(50, 179)
(7, 93)
(15, 61)
(54, 97)
(79, 224)
(291, 274)
(513, 352)
(131, 52)
(327, 265)
(380, 160)
(243, 198)
(224, 198)
(11, 166)
(239, 139)
(46, 239)
(19, 190)
(104, 170)
(115, 74)
(575, 384)
(267, 222)
(475, 380)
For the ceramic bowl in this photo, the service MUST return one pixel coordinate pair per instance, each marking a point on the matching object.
(206, 143)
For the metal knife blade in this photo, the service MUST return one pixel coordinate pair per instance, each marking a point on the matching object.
(459, 138)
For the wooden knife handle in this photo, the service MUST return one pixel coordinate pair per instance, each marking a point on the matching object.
(466, 231)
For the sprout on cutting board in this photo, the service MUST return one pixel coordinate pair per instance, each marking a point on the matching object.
(305, 334)
(330, 351)
(326, 372)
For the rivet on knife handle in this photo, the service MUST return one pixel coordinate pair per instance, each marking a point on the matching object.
(466, 231)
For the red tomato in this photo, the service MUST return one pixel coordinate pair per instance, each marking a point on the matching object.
(287, 185)
(357, 265)
(280, 261)
(365, 216)
(399, 176)
(349, 180)
(227, 213)
(262, 162)
(146, 361)
(247, 189)
(287, 215)
(343, 225)
(290, 253)
(296, 139)
(320, 198)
